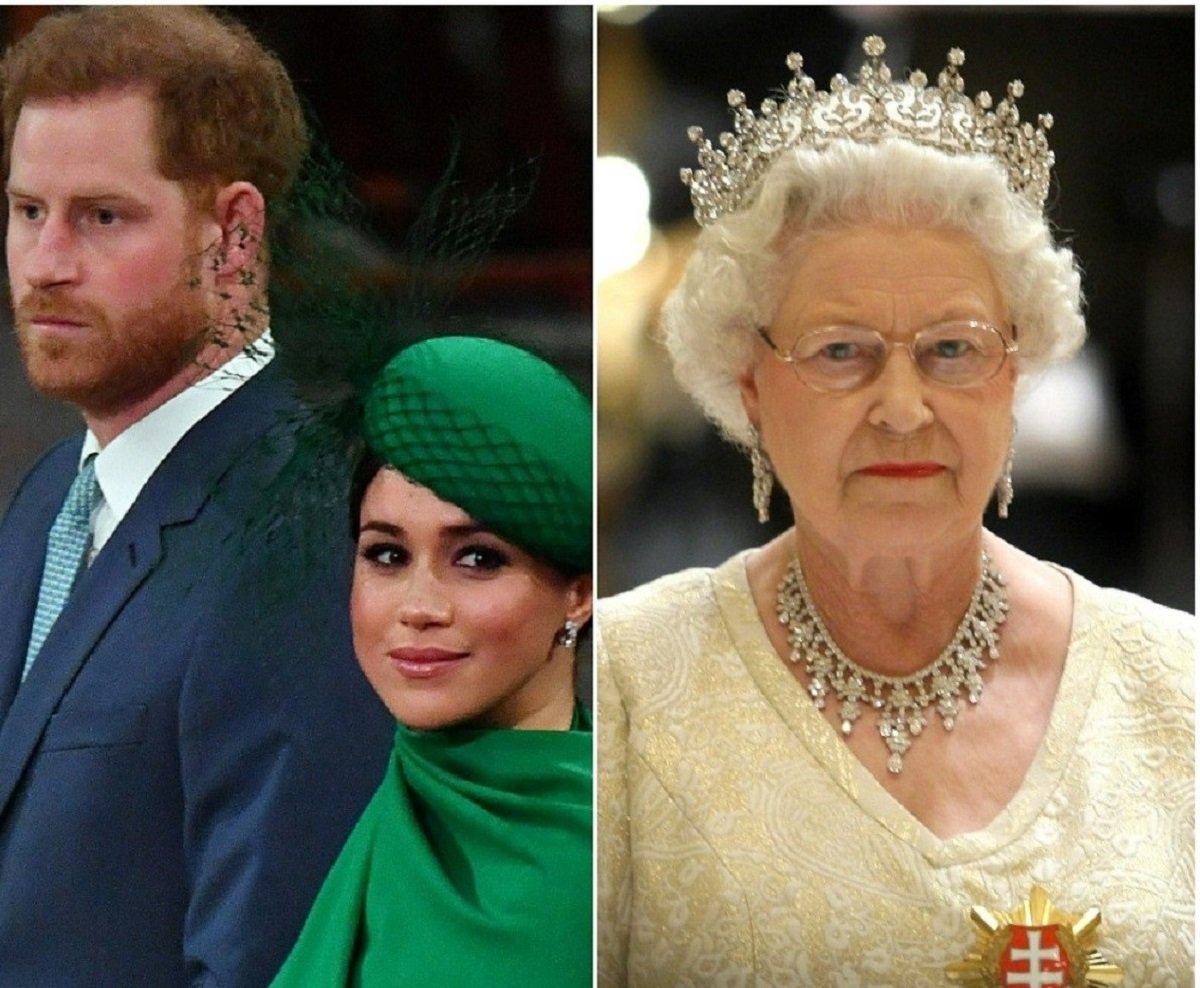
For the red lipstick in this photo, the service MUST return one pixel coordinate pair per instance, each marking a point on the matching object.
(909, 469)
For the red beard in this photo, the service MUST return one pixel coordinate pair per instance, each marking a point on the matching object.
(102, 366)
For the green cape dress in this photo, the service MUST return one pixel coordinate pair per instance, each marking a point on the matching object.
(471, 866)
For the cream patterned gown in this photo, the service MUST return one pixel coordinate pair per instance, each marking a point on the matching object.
(741, 843)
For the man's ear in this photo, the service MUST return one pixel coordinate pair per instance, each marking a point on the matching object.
(240, 212)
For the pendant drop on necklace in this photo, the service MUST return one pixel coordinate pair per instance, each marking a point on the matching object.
(902, 701)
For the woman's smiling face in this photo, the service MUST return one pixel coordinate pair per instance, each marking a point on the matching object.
(452, 623)
(899, 460)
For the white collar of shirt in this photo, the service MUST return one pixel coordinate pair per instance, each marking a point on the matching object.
(126, 464)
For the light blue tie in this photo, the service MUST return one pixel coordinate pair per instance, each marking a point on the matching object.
(70, 536)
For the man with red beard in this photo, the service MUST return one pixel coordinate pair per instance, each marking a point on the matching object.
(180, 756)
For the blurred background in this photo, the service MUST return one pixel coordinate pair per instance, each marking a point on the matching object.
(394, 88)
(1104, 474)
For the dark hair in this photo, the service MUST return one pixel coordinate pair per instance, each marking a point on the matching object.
(365, 469)
(227, 110)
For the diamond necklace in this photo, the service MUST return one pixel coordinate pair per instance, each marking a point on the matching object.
(902, 701)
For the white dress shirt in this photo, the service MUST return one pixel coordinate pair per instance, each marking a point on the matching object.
(126, 464)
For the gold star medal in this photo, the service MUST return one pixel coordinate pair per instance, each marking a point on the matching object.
(1035, 946)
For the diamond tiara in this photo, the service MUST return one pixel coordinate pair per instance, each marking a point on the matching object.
(871, 111)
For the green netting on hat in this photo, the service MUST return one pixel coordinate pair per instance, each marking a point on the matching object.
(496, 431)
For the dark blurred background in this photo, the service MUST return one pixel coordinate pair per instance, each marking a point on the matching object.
(1104, 472)
(394, 89)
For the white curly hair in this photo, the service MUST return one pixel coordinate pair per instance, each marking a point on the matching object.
(733, 280)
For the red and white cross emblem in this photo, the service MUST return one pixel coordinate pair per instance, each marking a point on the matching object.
(1034, 958)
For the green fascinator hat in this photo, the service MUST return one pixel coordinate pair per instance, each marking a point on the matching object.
(496, 431)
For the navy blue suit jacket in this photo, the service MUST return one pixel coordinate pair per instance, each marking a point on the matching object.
(189, 752)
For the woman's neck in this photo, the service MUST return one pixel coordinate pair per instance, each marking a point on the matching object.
(892, 612)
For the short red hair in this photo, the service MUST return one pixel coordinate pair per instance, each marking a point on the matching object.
(227, 110)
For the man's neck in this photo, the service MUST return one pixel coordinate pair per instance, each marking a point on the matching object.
(107, 425)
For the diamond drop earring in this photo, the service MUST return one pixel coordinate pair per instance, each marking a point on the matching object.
(569, 635)
(1004, 489)
(764, 477)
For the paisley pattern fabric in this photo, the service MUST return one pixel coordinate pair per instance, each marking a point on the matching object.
(741, 843)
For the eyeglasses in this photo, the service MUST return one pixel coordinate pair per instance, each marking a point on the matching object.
(959, 354)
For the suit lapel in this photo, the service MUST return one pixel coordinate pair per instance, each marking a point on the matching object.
(99, 597)
(175, 495)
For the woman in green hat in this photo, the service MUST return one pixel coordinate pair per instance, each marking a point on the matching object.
(472, 864)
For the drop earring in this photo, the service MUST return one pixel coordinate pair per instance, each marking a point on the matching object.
(1004, 489)
(764, 477)
(569, 635)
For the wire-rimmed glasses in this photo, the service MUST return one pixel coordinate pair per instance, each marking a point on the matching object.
(956, 354)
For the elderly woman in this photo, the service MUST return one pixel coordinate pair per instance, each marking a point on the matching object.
(473, 862)
(886, 748)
